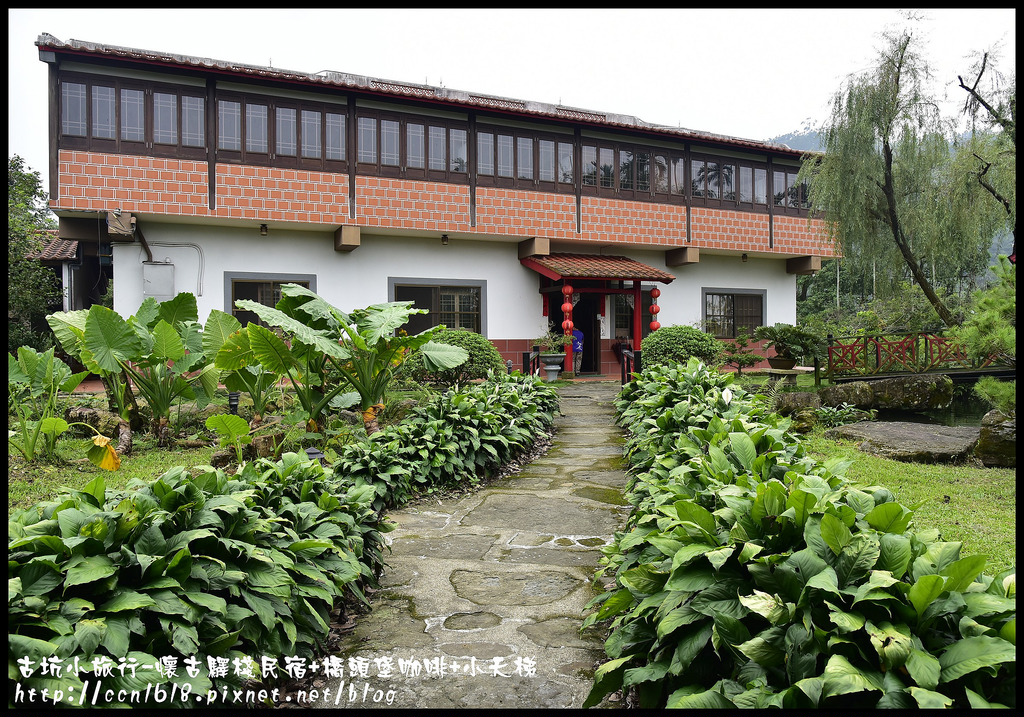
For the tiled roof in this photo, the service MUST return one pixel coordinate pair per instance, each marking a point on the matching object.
(594, 266)
(56, 249)
(390, 88)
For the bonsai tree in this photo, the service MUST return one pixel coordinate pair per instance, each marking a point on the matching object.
(790, 342)
(738, 354)
(552, 342)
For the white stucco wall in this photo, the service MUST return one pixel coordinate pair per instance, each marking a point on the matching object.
(201, 255)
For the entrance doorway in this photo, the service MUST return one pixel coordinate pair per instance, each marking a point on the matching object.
(586, 317)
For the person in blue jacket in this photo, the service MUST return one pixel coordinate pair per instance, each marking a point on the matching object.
(577, 350)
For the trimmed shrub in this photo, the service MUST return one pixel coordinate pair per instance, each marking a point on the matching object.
(213, 566)
(483, 357)
(677, 344)
(751, 575)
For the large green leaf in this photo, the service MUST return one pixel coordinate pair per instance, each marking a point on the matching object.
(889, 518)
(894, 554)
(974, 653)
(743, 448)
(219, 326)
(706, 700)
(297, 329)
(179, 309)
(272, 352)
(235, 353)
(167, 344)
(437, 357)
(835, 533)
(841, 678)
(380, 320)
(110, 339)
(89, 569)
(923, 592)
(69, 328)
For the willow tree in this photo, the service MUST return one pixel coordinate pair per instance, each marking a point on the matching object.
(882, 184)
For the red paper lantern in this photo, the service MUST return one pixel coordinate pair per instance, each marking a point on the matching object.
(655, 308)
(567, 307)
(655, 293)
(567, 290)
(655, 326)
(567, 325)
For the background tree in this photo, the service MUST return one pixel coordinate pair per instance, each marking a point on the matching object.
(990, 151)
(31, 287)
(883, 184)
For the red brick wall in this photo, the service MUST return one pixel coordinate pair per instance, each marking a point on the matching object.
(152, 185)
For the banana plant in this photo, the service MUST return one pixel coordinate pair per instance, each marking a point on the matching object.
(325, 351)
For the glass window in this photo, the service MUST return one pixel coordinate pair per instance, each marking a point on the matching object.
(727, 315)
(436, 149)
(311, 134)
(589, 166)
(286, 132)
(607, 168)
(257, 136)
(367, 140)
(453, 306)
(504, 155)
(661, 180)
(626, 169)
(335, 140)
(565, 172)
(104, 122)
(643, 171)
(678, 176)
(165, 118)
(193, 121)
(524, 158)
(459, 152)
(416, 153)
(389, 135)
(546, 160)
(485, 153)
(697, 177)
(746, 184)
(779, 188)
(133, 115)
(760, 186)
(713, 176)
(726, 181)
(72, 118)
(229, 125)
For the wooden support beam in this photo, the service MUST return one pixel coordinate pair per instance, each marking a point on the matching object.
(534, 246)
(346, 238)
(682, 256)
(803, 265)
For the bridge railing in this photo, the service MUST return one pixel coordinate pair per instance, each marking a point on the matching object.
(531, 361)
(917, 352)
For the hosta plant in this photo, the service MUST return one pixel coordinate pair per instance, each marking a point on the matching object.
(219, 566)
(751, 575)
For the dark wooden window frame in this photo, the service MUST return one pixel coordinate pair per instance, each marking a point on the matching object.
(397, 282)
(252, 277)
(117, 145)
(715, 291)
(492, 125)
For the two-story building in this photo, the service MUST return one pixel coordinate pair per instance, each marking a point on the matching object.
(182, 173)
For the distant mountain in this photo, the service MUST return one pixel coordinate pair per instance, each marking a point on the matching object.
(806, 138)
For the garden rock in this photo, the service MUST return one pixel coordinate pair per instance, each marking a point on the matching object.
(105, 422)
(903, 393)
(856, 393)
(910, 442)
(997, 445)
(789, 403)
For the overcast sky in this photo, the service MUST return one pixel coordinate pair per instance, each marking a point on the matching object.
(754, 74)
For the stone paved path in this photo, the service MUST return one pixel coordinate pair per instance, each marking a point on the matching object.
(498, 578)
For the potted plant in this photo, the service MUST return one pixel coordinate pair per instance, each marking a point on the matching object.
(551, 347)
(791, 343)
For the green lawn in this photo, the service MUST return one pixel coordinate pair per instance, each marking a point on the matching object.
(976, 506)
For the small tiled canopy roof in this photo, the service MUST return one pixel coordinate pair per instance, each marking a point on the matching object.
(56, 249)
(594, 266)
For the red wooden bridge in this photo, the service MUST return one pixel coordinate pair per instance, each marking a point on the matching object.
(882, 356)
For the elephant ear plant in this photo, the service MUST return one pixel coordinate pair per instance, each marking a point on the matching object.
(33, 382)
(324, 350)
